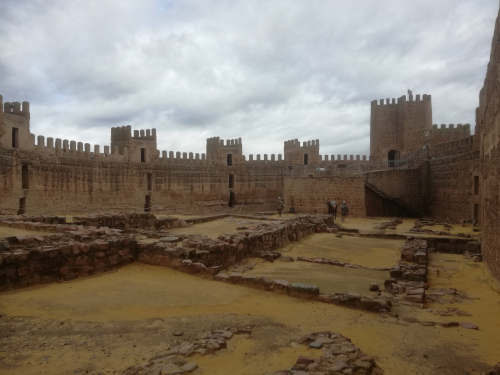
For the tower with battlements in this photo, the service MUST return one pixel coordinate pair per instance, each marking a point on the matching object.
(139, 147)
(305, 154)
(229, 152)
(15, 125)
(399, 127)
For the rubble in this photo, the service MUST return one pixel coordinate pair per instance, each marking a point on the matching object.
(339, 356)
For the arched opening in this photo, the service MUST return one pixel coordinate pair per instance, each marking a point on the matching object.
(143, 155)
(231, 199)
(306, 159)
(393, 158)
(231, 181)
(229, 160)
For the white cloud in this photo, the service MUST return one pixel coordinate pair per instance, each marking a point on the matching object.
(264, 71)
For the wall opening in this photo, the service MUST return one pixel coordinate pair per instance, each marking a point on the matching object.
(393, 158)
(229, 160)
(15, 137)
(143, 155)
(25, 177)
(476, 185)
(476, 214)
(231, 181)
(232, 199)
(306, 159)
(150, 181)
(22, 206)
(147, 203)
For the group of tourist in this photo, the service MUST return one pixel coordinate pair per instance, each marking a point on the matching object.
(332, 208)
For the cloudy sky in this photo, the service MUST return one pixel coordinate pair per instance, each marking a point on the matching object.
(263, 70)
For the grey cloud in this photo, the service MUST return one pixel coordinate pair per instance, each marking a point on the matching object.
(264, 71)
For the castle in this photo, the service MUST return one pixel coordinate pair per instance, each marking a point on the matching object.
(415, 168)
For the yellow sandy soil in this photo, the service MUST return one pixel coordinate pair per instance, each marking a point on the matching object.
(147, 295)
(368, 252)
(483, 304)
(328, 278)
(215, 228)
(7, 232)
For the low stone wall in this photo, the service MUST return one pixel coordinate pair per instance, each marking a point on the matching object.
(78, 250)
(130, 221)
(230, 249)
(26, 261)
(409, 277)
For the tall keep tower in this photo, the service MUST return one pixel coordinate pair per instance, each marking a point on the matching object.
(399, 127)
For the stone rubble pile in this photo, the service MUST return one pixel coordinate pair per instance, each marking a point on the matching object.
(392, 224)
(175, 361)
(339, 357)
(409, 277)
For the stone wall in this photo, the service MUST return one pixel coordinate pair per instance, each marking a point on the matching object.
(452, 167)
(34, 260)
(310, 194)
(75, 183)
(487, 129)
(408, 186)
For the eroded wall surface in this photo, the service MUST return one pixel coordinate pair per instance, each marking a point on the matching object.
(307, 194)
(488, 130)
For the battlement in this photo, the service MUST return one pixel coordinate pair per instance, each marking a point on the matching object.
(216, 141)
(294, 144)
(80, 149)
(124, 133)
(171, 155)
(402, 100)
(265, 158)
(15, 108)
(444, 127)
(145, 134)
(345, 157)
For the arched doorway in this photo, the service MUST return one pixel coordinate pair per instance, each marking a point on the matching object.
(393, 158)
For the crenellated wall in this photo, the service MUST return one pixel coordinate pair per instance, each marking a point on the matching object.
(445, 133)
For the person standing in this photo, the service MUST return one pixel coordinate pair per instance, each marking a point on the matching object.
(330, 208)
(344, 210)
(334, 209)
(281, 205)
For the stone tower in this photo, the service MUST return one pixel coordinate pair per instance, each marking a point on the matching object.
(305, 154)
(141, 147)
(230, 152)
(15, 125)
(399, 127)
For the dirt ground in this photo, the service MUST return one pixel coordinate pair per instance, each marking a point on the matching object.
(367, 252)
(106, 323)
(215, 228)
